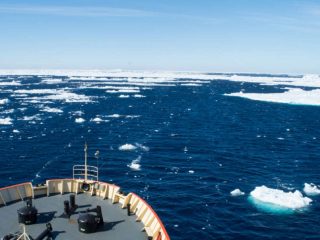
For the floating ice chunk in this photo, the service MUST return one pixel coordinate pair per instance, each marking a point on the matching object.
(55, 95)
(292, 96)
(114, 116)
(132, 116)
(138, 96)
(127, 147)
(13, 83)
(292, 200)
(311, 189)
(15, 131)
(77, 113)
(124, 96)
(4, 101)
(51, 81)
(96, 119)
(5, 121)
(236, 192)
(135, 164)
(191, 171)
(191, 84)
(79, 120)
(31, 118)
(52, 110)
(144, 148)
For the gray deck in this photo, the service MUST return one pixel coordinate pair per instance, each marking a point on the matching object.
(117, 225)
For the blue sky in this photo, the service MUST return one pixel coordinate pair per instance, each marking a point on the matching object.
(270, 36)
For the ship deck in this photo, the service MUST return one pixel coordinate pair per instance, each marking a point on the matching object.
(117, 224)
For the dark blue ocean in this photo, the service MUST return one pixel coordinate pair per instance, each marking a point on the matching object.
(190, 146)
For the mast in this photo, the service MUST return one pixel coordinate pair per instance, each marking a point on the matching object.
(85, 162)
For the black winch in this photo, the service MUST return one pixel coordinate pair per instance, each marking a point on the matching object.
(28, 214)
(88, 223)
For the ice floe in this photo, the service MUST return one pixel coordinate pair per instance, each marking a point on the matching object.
(292, 96)
(51, 110)
(124, 96)
(135, 164)
(311, 189)
(54, 94)
(127, 147)
(13, 83)
(79, 120)
(114, 116)
(4, 101)
(142, 147)
(31, 118)
(6, 121)
(51, 80)
(236, 192)
(77, 113)
(291, 200)
(138, 96)
(98, 120)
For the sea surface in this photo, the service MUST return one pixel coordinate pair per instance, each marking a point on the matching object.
(182, 144)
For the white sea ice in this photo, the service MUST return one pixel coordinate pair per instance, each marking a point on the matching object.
(54, 94)
(138, 96)
(51, 80)
(127, 147)
(142, 147)
(79, 120)
(6, 121)
(114, 116)
(135, 164)
(236, 192)
(13, 83)
(124, 96)
(292, 200)
(311, 189)
(51, 110)
(4, 101)
(292, 96)
(31, 118)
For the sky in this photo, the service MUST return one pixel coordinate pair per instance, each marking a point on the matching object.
(265, 36)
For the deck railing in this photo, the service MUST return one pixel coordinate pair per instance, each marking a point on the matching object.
(79, 172)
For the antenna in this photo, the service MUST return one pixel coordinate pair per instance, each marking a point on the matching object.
(85, 162)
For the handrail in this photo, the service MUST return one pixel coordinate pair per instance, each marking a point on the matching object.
(83, 171)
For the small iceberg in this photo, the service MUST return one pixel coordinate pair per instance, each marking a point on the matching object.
(237, 192)
(135, 164)
(127, 147)
(278, 198)
(79, 120)
(311, 189)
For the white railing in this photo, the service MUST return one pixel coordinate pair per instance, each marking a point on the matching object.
(83, 172)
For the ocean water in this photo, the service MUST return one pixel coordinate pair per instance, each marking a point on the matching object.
(182, 143)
